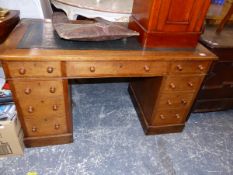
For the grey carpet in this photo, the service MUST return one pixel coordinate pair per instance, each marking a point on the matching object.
(109, 141)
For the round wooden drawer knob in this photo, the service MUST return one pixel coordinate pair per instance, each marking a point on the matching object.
(55, 107)
(22, 71)
(177, 116)
(162, 116)
(183, 102)
(146, 68)
(34, 129)
(92, 69)
(169, 102)
(30, 109)
(190, 84)
(57, 126)
(27, 91)
(200, 67)
(50, 70)
(179, 67)
(52, 90)
(172, 85)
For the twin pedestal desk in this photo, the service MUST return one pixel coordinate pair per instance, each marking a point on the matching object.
(38, 65)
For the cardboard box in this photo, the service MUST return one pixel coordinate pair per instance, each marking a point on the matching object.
(11, 137)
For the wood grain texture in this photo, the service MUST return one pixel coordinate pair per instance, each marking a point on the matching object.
(190, 67)
(164, 23)
(43, 83)
(182, 83)
(146, 91)
(14, 54)
(43, 107)
(48, 140)
(34, 69)
(147, 127)
(116, 69)
(34, 88)
(175, 100)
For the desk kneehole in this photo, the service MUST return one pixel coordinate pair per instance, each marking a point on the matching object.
(116, 68)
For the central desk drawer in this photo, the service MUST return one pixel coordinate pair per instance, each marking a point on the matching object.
(116, 68)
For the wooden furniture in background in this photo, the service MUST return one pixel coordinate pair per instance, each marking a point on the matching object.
(217, 90)
(217, 12)
(169, 23)
(8, 23)
(164, 86)
(225, 19)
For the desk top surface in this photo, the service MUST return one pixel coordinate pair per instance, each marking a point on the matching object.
(37, 40)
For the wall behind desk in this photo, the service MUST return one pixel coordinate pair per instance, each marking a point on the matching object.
(39, 9)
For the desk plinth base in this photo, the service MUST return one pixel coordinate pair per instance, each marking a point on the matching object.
(48, 140)
(148, 129)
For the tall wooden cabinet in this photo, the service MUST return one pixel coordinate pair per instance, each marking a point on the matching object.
(169, 23)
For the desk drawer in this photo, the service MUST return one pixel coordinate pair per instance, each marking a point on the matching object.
(44, 126)
(34, 88)
(186, 67)
(183, 83)
(33, 69)
(175, 100)
(43, 106)
(169, 116)
(116, 68)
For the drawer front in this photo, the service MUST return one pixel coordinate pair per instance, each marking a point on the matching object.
(169, 116)
(186, 67)
(175, 100)
(30, 89)
(43, 106)
(183, 83)
(34, 69)
(44, 126)
(126, 68)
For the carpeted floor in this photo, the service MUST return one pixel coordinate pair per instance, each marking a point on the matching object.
(109, 141)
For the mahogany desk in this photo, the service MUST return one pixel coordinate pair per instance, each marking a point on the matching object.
(38, 65)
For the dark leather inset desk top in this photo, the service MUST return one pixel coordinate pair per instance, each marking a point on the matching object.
(42, 35)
